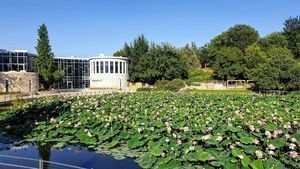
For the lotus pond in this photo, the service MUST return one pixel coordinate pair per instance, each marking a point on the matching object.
(168, 130)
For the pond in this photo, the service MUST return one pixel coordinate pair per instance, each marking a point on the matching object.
(71, 155)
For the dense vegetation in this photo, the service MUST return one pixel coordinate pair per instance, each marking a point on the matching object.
(170, 130)
(238, 53)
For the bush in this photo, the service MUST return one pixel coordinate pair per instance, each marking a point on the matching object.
(199, 75)
(174, 85)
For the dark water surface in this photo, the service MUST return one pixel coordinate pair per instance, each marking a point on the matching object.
(72, 155)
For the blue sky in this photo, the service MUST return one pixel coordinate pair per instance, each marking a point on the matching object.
(89, 27)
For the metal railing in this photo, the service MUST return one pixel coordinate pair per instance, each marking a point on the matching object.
(38, 163)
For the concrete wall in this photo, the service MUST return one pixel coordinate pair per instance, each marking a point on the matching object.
(25, 82)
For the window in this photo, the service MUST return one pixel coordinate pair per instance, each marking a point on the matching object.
(97, 67)
(120, 67)
(101, 67)
(117, 67)
(111, 67)
(93, 67)
(124, 67)
(106, 66)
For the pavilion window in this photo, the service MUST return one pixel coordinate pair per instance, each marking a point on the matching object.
(106, 66)
(117, 67)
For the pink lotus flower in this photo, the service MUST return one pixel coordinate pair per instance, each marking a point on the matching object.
(271, 147)
(255, 141)
(292, 146)
(293, 154)
(259, 154)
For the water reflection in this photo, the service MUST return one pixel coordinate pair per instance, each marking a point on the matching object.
(72, 155)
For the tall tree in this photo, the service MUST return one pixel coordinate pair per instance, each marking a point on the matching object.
(229, 64)
(189, 54)
(44, 62)
(292, 32)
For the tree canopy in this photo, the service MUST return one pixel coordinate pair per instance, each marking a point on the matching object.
(292, 32)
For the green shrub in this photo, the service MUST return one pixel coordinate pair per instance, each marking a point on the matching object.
(174, 85)
(199, 75)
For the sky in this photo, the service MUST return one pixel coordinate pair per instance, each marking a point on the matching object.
(87, 28)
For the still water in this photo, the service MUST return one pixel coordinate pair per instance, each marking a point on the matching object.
(72, 155)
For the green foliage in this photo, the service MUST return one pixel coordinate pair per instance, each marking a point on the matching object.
(254, 56)
(239, 36)
(174, 85)
(229, 64)
(168, 129)
(291, 31)
(189, 54)
(149, 63)
(200, 75)
(279, 72)
(44, 62)
(276, 39)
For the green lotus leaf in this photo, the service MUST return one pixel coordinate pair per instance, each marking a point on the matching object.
(87, 140)
(217, 163)
(204, 156)
(297, 137)
(174, 164)
(257, 164)
(192, 156)
(270, 127)
(236, 152)
(59, 145)
(278, 142)
(231, 166)
(156, 151)
(112, 144)
(246, 161)
(273, 164)
(246, 140)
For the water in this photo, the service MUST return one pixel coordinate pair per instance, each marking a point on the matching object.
(72, 155)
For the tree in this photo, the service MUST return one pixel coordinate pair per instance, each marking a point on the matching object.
(279, 72)
(276, 39)
(205, 57)
(291, 31)
(229, 64)
(239, 36)
(168, 64)
(43, 63)
(190, 56)
(254, 56)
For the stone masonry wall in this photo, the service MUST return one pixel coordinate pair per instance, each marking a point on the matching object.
(25, 82)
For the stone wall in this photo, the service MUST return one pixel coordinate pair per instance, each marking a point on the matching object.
(25, 82)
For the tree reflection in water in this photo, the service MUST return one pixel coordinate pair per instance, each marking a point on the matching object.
(44, 153)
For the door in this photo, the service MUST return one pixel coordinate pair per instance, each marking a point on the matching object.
(69, 85)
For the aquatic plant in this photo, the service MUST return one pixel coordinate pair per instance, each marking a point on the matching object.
(173, 130)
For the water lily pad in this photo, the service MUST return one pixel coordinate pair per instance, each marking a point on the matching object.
(204, 156)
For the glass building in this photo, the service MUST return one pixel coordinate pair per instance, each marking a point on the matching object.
(77, 72)
(16, 60)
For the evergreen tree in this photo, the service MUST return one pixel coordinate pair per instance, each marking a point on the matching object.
(44, 62)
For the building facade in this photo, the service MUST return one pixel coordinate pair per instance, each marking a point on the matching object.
(100, 72)
(16, 60)
(108, 72)
(77, 71)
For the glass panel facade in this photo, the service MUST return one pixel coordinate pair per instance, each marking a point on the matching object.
(12, 60)
(77, 72)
